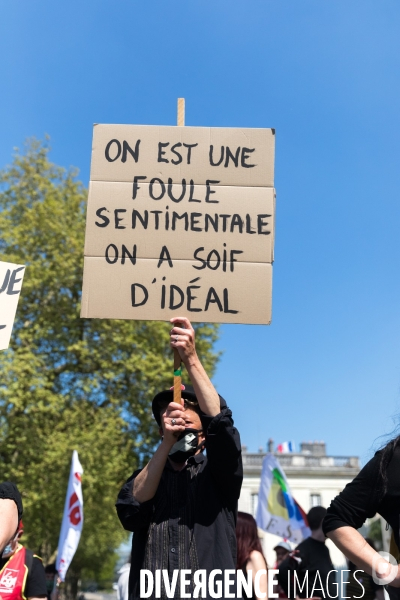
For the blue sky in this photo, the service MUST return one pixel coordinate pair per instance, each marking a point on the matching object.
(325, 74)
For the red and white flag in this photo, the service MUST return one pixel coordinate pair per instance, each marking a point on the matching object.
(72, 520)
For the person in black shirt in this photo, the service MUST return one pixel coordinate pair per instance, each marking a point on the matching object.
(376, 489)
(311, 562)
(16, 560)
(51, 574)
(182, 506)
(10, 512)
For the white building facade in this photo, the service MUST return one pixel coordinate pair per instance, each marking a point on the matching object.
(314, 479)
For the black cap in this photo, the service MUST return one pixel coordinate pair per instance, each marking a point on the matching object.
(10, 491)
(167, 396)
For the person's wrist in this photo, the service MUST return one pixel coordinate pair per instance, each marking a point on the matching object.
(191, 361)
(168, 442)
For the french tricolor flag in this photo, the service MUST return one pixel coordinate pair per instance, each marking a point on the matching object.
(285, 447)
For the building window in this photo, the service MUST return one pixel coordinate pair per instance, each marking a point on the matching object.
(254, 504)
(315, 500)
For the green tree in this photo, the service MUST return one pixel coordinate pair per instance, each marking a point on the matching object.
(68, 382)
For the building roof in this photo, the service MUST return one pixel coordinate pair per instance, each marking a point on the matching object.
(305, 463)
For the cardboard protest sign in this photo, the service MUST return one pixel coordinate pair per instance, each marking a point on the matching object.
(11, 277)
(180, 219)
(243, 157)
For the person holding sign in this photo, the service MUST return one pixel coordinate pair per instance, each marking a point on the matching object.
(182, 506)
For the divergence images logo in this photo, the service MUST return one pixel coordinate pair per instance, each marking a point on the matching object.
(74, 510)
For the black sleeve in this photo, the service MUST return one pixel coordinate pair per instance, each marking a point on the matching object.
(359, 500)
(36, 581)
(9, 490)
(224, 453)
(133, 514)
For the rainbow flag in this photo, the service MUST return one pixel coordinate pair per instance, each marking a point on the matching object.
(277, 510)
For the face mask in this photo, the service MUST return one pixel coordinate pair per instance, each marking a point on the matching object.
(186, 446)
(10, 548)
(7, 550)
(50, 585)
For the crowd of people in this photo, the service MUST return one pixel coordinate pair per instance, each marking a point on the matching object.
(182, 510)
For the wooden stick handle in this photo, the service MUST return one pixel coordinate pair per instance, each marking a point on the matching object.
(177, 377)
(181, 112)
(177, 358)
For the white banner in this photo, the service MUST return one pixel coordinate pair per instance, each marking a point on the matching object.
(11, 277)
(72, 520)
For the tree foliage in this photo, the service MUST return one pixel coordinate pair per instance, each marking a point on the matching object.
(69, 383)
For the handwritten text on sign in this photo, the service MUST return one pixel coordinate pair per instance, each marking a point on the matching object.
(11, 276)
(180, 219)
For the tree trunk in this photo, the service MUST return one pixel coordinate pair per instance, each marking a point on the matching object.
(69, 590)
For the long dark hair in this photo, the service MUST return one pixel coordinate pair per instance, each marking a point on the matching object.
(247, 539)
(386, 456)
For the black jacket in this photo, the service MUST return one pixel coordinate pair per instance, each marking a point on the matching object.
(363, 497)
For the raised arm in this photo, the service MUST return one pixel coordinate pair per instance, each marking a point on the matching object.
(183, 339)
(222, 438)
(146, 483)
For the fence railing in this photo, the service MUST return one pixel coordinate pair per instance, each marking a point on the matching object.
(304, 461)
